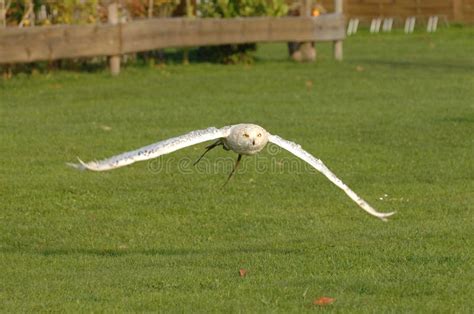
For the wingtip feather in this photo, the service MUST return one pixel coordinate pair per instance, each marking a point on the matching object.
(384, 216)
(75, 166)
(79, 166)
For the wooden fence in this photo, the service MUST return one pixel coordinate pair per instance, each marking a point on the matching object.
(453, 10)
(114, 39)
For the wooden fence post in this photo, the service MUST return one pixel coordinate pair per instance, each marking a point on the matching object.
(457, 11)
(306, 9)
(306, 50)
(5, 70)
(189, 14)
(3, 14)
(150, 8)
(337, 46)
(114, 61)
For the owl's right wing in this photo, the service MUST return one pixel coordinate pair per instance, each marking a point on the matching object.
(154, 150)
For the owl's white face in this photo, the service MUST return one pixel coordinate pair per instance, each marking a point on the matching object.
(247, 139)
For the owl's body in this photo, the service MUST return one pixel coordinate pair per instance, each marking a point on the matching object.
(243, 139)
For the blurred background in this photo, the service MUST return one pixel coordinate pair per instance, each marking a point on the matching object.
(374, 15)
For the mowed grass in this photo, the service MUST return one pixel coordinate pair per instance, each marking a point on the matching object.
(395, 121)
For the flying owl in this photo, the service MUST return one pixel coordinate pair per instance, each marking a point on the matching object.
(243, 139)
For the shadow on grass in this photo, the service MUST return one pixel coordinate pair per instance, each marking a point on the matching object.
(434, 64)
(150, 252)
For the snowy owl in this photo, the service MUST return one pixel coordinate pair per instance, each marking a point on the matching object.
(244, 139)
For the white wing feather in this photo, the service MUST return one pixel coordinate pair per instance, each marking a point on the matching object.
(296, 150)
(154, 150)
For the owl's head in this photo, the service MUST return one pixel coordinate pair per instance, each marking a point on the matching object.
(247, 139)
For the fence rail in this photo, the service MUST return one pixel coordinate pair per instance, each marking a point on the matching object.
(67, 41)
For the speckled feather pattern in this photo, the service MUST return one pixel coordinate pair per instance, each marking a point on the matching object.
(155, 150)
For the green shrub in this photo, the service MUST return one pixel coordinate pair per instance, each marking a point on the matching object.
(47, 12)
(241, 53)
(242, 8)
(72, 11)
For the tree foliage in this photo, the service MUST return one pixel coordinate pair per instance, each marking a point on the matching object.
(243, 8)
(241, 53)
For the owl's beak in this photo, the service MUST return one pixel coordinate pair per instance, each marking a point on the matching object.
(253, 142)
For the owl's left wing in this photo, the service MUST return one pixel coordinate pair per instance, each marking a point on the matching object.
(296, 150)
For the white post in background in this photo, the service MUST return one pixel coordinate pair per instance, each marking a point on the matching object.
(352, 26)
(387, 24)
(114, 61)
(432, 24)
(337, 46)
(410, 24)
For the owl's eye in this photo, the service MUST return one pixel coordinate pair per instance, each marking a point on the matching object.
(246, 135)
(259, 134)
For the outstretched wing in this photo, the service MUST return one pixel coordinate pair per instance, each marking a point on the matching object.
(296, 150)
(154, 150)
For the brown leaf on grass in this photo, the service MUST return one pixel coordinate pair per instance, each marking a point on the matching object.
(359, 68)
(242, 272)
(323, 301)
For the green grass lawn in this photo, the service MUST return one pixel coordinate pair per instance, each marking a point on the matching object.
(395, 121)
